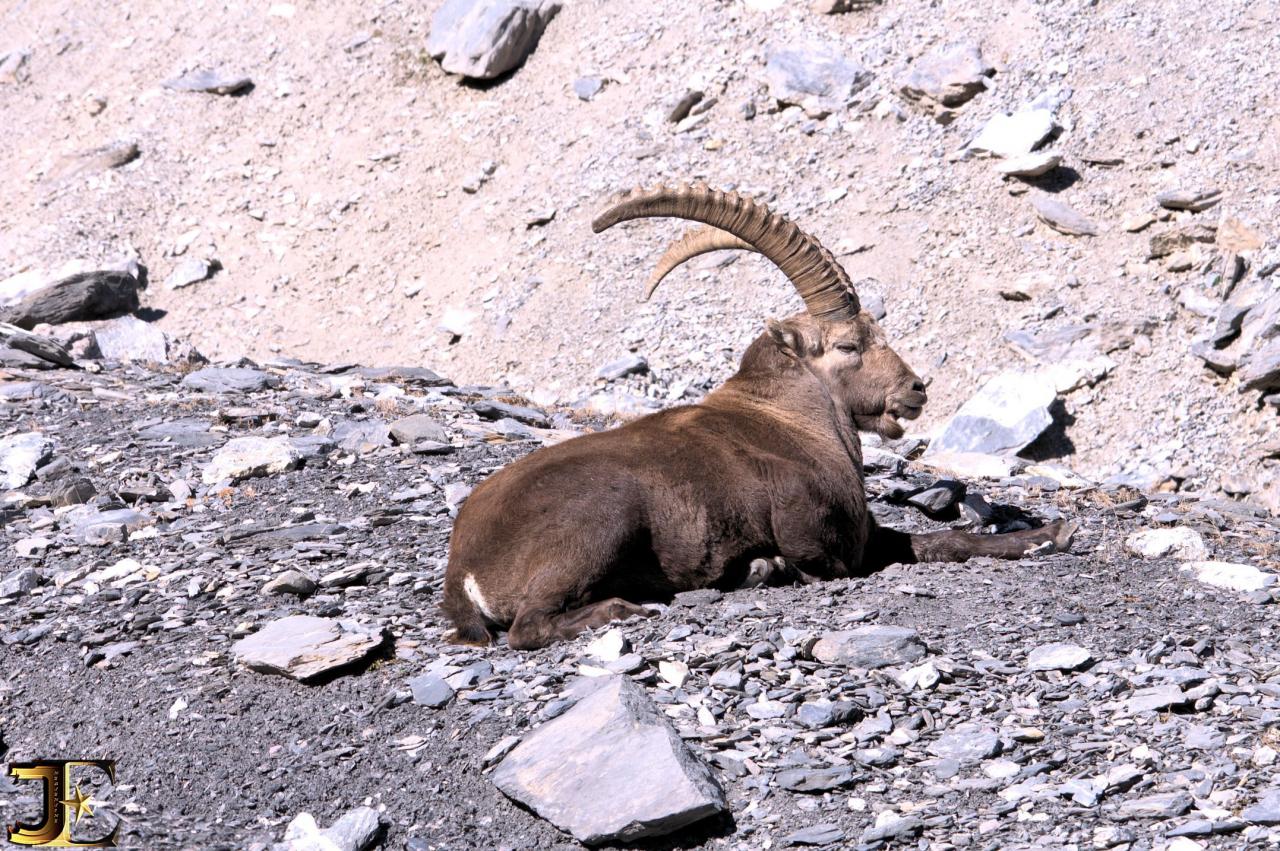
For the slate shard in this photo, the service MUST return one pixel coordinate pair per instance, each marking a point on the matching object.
(611, 769)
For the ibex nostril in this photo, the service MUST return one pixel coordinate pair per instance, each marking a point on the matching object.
(918, 386)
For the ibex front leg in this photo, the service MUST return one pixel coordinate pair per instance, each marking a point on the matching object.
(889, 546)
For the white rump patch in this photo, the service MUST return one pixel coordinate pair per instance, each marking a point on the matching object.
(472, 588)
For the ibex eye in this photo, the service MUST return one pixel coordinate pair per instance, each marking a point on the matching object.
(846, 347)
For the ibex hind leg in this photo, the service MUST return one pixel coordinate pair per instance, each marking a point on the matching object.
(887, 546)
(535, 628)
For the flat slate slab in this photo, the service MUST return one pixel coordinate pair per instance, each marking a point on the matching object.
(303, 647)
(876, 646)
(611, 769)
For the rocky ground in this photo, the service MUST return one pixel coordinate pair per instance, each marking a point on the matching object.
(308, 179)
(1123, 695)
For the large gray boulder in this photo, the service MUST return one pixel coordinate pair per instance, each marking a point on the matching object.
(611, 769)
(81, 297)
(1007, 414)
(483, 39)
(817, 75)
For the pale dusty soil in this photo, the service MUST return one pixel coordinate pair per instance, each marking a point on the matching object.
(320, 244)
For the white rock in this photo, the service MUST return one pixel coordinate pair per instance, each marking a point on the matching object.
(246, 457)
(609, 647)
(1058, 657)
(1030, 165)
(1177, 542)
(673, 672)
(20, 455)
(1232, 576)
(920, 677)
(1014, 135)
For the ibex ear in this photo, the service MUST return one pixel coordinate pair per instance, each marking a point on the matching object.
(787, 338)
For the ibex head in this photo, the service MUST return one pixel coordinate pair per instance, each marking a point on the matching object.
(835, 340)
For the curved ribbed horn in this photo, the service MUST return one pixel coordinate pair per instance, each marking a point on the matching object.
(698, 241)
(813, 271)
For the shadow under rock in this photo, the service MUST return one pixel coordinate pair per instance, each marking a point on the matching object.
(1053, 442)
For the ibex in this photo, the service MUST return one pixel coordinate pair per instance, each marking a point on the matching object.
(768, 466)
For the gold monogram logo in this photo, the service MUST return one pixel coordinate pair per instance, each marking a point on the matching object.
(60, 803)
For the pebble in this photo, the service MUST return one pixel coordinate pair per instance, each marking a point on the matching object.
(1231, 576)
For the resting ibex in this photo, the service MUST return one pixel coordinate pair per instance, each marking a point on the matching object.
(767, 466)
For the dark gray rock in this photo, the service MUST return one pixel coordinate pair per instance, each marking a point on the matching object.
(418, 427)
(816, 714)
(189, 432)
(361, 436)
(1261, 371)
(20, 583)
(431, 690)
(966, 744)
(47, 352)
(213, 81)
(939, 499)
(483, 39)
(630, 365)
(79, 298)
(234, 379)
(611, 769)
(818, 834)
(74, 491)
(1155, 699)
(1163, 805)
(491, 410)
(293, 582)
(810, 780)
(891, 826)
(1265, 811)
(1007, 414)
(820, 73)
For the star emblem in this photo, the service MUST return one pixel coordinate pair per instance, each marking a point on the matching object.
(79, 804)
